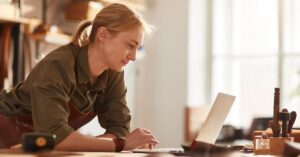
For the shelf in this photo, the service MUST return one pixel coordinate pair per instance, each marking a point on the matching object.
(136, 4)
(52, 38)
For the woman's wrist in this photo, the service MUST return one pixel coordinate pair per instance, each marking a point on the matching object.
(119, 144)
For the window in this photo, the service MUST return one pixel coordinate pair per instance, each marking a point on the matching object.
(252, 46)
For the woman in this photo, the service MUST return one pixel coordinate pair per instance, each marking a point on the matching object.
(78, 81)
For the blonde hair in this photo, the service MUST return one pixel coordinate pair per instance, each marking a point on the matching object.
(116, 18)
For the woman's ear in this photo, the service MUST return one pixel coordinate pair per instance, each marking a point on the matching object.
(102, 34)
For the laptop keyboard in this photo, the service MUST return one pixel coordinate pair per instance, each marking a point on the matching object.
(159, 150)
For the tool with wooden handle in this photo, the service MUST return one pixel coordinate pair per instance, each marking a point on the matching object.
(275, 127)
(293, 115)
(284, 117)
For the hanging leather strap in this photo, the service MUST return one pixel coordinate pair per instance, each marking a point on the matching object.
(4, 51)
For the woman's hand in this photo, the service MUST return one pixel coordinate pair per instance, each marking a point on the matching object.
(17, 146)
(138, 138)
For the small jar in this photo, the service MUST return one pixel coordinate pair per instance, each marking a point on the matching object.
(262, 143)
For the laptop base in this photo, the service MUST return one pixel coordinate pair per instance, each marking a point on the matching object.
(196, 148)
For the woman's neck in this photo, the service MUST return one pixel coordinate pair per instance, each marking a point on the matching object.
(96, 62)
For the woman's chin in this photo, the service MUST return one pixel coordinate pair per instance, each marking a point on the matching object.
(119, 69)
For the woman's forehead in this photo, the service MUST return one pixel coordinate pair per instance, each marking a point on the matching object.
(136, 35)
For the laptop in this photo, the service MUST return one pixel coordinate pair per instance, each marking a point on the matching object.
(211, 127)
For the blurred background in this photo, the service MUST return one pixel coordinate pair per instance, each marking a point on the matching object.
(244, 48)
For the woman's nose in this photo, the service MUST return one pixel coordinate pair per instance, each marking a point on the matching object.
(132, 55)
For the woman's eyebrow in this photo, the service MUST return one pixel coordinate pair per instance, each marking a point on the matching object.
(137, 44)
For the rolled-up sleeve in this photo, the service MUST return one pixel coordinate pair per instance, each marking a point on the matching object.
(49, 98)
(113, 112)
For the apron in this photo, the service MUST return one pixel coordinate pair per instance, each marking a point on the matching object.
(12, 127)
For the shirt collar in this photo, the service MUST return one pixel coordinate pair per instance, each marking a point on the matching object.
(83, 73)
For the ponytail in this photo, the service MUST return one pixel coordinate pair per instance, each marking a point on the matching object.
(81, 37)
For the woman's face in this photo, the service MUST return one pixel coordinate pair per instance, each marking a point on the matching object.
(119, 49)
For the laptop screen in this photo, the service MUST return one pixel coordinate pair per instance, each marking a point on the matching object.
(213, 124)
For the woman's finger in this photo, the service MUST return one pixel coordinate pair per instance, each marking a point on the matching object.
(151, 141)
(147, 131)
(149, 136)
(150, 146)
(17, 146)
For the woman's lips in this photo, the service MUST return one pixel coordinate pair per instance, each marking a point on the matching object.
(125, 62)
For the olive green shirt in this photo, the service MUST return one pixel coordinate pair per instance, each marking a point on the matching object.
(63, 76)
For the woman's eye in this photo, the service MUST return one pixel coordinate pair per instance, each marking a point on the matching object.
(130, 46)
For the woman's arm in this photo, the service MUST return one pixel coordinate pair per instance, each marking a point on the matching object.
(79, 142)
(113, 112)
